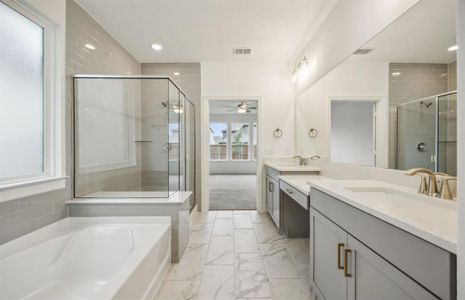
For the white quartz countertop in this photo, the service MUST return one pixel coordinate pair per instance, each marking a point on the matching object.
(300, 181)
(288, 167)
(434, 220)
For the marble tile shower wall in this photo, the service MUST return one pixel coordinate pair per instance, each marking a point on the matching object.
(189, 80)
(109, 57)
(415, 81)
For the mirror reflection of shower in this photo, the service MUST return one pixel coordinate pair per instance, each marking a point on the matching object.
(427, 133)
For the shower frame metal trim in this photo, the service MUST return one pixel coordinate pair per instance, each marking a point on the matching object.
(136, 77)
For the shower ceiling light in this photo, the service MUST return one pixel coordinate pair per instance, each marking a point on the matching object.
(396, 74)
(453, 48)
(156, 47)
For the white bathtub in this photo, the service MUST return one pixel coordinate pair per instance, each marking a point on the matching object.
(87, 258)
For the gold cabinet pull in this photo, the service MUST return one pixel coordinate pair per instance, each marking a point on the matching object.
(339, 246)
(346, 264)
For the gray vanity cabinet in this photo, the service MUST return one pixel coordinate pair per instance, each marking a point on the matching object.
(272, 198)
(342, 268)
(326, 273)
(356, 256)
(372, 277)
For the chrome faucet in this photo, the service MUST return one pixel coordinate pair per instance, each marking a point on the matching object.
(427, 187)
(315, 157)
(302, 160)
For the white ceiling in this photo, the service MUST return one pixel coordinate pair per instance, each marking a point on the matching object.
(223, 107)
(207, 30)
(421, 35)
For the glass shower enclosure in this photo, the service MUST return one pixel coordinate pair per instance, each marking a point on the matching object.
(427, 134)
(133, 137)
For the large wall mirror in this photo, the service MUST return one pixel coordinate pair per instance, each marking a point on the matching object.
(392, 104)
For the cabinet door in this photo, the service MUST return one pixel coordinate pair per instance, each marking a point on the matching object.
(327, 244)
(372, 277)
(269, 196)
(276, 207)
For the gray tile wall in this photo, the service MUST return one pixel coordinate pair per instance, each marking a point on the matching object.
(190, 82)
(109, 57)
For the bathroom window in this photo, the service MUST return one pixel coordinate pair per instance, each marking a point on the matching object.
(218, 141)
(240, 141)
(27, 143)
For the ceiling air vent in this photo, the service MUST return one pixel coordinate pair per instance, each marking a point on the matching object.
(242, 51)
(363, 51)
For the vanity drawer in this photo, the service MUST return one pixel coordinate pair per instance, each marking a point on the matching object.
(272, 173)
(295, 194)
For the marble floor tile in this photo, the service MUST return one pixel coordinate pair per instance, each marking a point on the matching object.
(260, 217)
(266, 232)
(224, 214)
(242, 212)
(201, 233)
(191, 265)
(279, 263)
(223, 227)
(242, 221)
(251, 276)
(202, 218)
(221, 251)
(177, 290)
(245, 241)
(217, 283)
(290, 289)
(299, 250)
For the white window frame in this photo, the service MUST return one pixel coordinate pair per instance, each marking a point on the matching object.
(228, 142)
(231, 145)
(53, 177)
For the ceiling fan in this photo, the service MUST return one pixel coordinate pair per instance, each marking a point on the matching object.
(241, 108)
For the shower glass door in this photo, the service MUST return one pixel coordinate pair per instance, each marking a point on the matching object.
(417, 147)
(447, 134)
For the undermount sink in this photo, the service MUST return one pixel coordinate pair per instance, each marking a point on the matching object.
(394, 195)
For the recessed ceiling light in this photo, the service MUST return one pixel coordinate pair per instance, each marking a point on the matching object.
(156, 47)
(396, 74)
(176, 74)
(90, 46)
(453, 48)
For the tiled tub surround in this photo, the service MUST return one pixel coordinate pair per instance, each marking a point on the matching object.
(175, 207)
(21, 216)
(238, 255)
(88, 258)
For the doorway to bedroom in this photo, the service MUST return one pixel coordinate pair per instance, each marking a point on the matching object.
(233, 154)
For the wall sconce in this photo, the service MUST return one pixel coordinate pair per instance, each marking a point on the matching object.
(301, 69)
